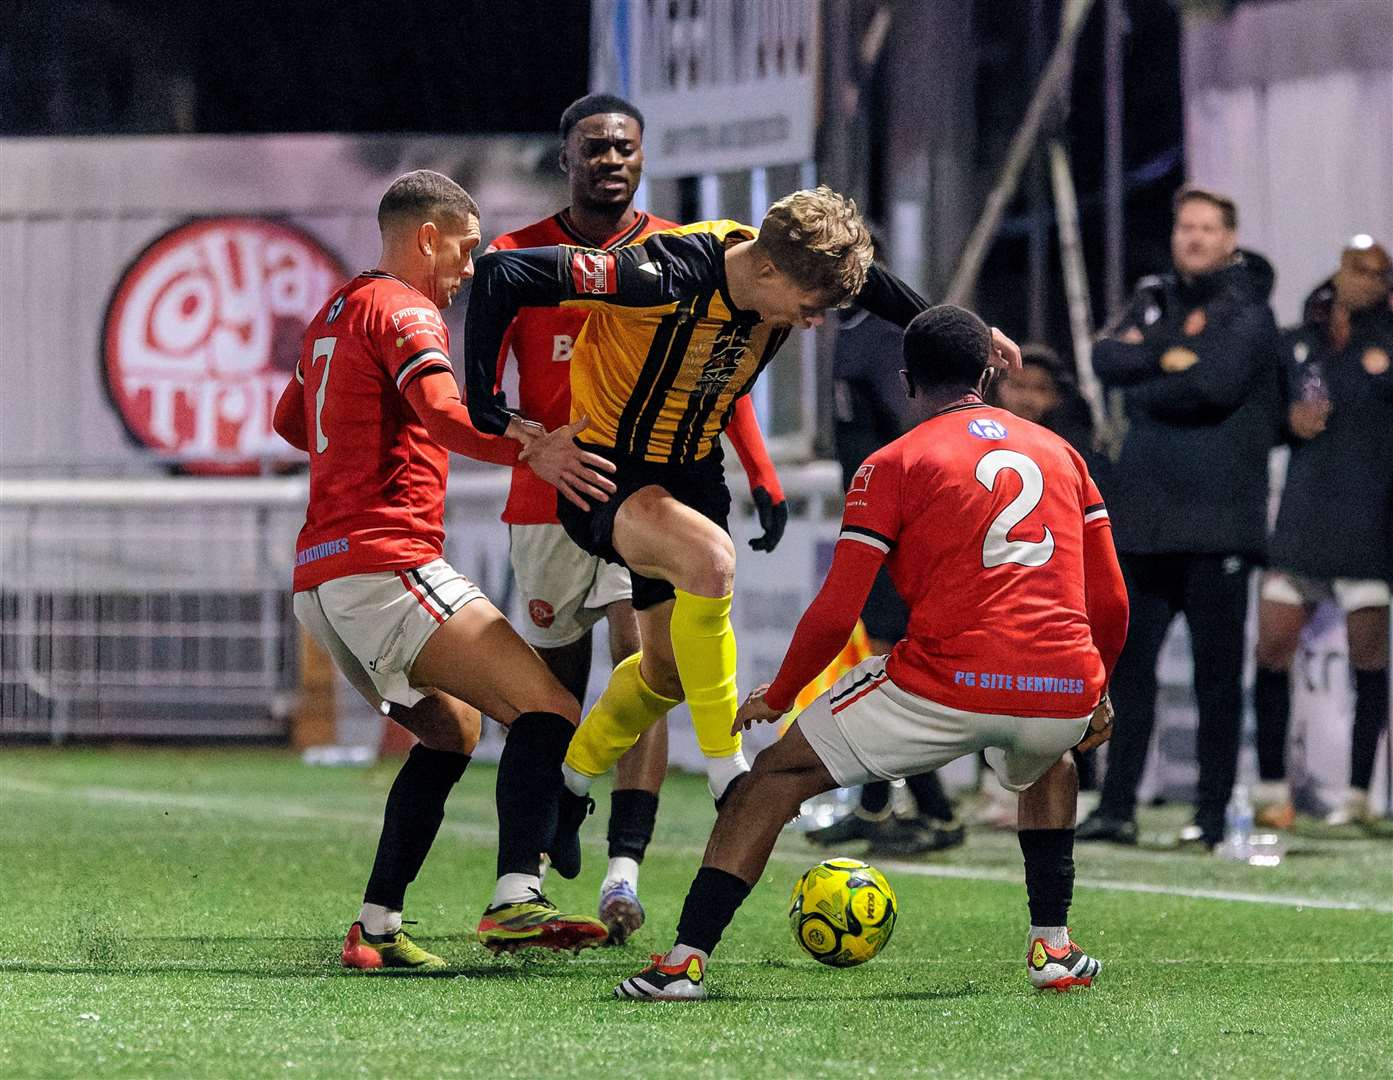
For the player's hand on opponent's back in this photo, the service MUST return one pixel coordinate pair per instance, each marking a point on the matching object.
(576, 473)
(754, 710)
(1099, 726)
(1005, 353)
(773, 518)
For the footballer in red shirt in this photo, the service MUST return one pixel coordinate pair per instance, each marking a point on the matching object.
(375, 405)
(998, 541)
(566, 590)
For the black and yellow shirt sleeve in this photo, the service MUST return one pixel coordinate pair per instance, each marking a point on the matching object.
(505, 281)
(665, 354)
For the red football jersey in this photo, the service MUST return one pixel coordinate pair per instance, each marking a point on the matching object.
(982, 515)
(377, 478)
(541, 339)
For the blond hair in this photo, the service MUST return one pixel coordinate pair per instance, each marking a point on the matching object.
(819, 240)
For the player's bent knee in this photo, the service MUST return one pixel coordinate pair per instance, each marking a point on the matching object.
(562, 704)
(710, 569)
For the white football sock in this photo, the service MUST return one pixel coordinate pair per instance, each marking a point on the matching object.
(621, 868)
(576, 783)
(1056, 937)
(720, 771)
(378, 920)
(515, 888)
(680, 954)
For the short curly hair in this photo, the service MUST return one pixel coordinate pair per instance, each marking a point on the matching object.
(946, 346)
(818, 239)
(422, 195)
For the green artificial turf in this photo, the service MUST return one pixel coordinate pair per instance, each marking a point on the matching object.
(179, 914)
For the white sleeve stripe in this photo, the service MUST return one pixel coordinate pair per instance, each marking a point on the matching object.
(429, 356)
(1095, 515)
(299, 373)
(870, 541)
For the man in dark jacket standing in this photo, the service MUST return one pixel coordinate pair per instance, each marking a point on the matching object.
(1196, 356)
(1334, 534)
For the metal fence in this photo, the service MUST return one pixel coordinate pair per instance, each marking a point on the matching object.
(146, 609)
(161, 608)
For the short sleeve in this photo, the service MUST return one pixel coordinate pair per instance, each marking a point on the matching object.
(873, 512)
(412, 340)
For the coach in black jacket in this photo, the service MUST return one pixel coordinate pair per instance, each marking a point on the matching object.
(1196, 356)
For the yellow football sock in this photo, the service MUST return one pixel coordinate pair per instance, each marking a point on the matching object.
(626, 709)
(703, 643)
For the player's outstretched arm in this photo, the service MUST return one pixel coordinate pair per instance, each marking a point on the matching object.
(765, 489)
(826, 626)
(289, 418)
(886, 295)
(435, 397)
(504, 282)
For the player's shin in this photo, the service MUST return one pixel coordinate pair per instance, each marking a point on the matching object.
(703, 644)
(633, 814)
(529, 784)
(625, 710)
(1049, 881)
(711, 903)
(415, 809)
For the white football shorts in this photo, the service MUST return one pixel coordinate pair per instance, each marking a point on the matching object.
(1300, 591)
(375, 625)
(866, 728)
(564, 589)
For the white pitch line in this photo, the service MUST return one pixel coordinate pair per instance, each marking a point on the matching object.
(264, 811)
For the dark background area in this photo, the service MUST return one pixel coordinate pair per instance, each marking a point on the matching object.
(90, 67)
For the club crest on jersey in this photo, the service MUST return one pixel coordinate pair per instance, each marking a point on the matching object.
(541, 613)
(593, 273)
(202, 332)
(986, 429)
(862, 480)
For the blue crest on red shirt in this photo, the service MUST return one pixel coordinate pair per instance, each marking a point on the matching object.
(986, 429)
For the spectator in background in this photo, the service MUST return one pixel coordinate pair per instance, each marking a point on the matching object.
(1334, 534)
(870, 410)
(1195, 354)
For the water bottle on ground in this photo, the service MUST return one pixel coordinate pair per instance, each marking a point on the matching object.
(1241, 843)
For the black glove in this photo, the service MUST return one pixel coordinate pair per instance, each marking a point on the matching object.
(773, 516)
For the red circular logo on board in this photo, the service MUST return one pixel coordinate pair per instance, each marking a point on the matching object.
(542, 613)
(203, 332)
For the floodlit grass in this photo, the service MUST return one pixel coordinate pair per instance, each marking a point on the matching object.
(179, 914)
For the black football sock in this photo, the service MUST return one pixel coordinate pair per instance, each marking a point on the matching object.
(1049, 874)
(1272, 706)
(930, 797)
(711, 903)
(632, 815)
(529, 783)
(875, 799)
(415, 809)
(1370, 721)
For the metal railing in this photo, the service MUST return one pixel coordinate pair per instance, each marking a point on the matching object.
(161, 607)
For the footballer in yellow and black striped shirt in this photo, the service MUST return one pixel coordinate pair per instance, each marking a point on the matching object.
(680, 326)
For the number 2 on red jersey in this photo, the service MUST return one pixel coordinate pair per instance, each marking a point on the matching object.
(997, 548)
